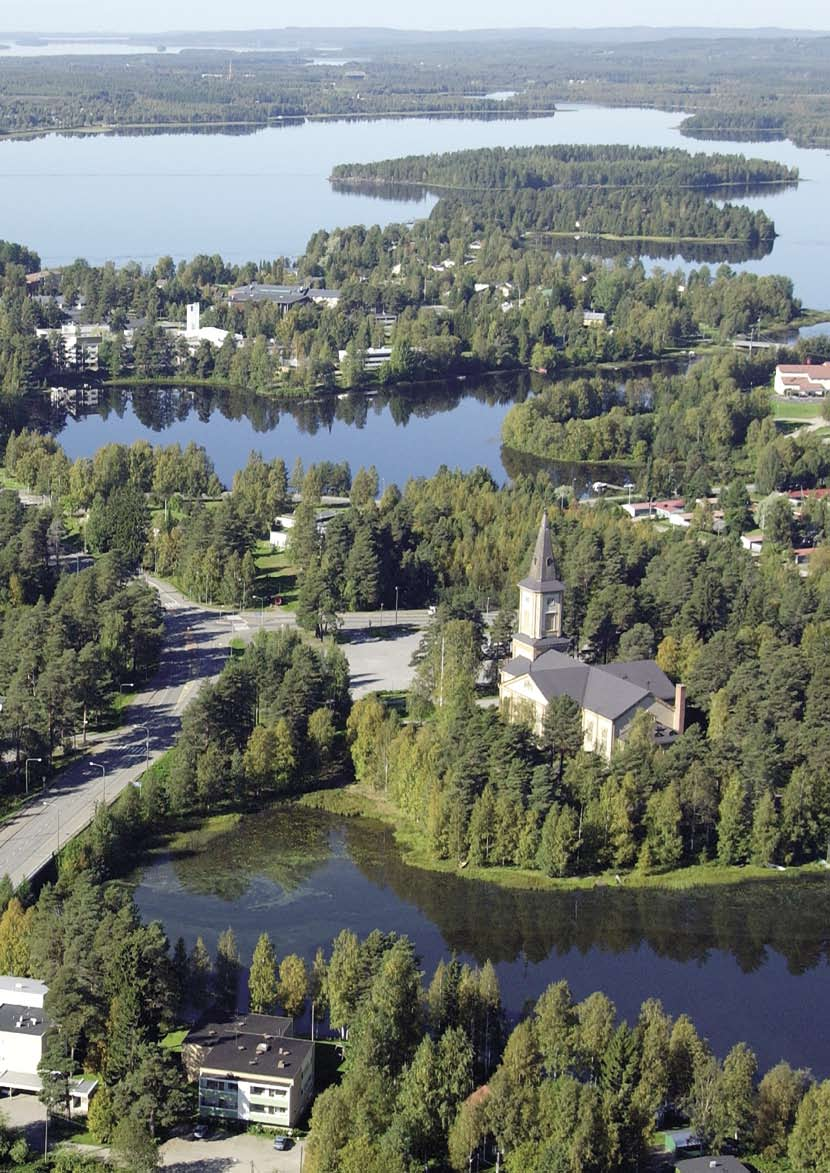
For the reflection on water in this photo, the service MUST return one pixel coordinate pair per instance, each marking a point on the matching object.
(748, 961)
(404, 431)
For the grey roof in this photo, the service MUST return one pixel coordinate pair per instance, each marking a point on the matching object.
(645, 674)
(22, 1020)
(207, 1034)
(19, 988)
(254, 1053)
(713, 1164)
(284, 295)
(543, 576)
(592, 687)
(518, 666)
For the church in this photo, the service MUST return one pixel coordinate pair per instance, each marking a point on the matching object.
(541, 668)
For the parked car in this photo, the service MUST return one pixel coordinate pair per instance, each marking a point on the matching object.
(200, 1132)
(281, 1143)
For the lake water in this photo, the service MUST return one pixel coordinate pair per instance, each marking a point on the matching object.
(405, 432)
(262, 195)
(747, 962)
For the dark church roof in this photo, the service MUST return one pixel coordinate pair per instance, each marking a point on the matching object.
(610, 690)
(646, 674)
(543, 575)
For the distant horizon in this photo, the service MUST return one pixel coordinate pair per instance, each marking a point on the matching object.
(637, 26)
(651, 21)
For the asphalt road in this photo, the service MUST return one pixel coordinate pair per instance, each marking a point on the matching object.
(196, 647)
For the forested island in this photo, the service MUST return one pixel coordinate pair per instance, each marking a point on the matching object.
(597, 190)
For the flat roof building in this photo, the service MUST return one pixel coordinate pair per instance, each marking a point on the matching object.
(251, 1068)
(23, 1025)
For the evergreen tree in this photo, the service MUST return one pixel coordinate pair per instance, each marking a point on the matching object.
(226, 974)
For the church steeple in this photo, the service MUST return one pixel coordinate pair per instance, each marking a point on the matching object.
(541, 597)
(542, 564)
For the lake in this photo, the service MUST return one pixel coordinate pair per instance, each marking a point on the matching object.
(405, 432)
(262, 195)
(746, 962)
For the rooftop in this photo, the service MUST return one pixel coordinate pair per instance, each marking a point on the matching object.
(610, 690)
(285, 295)
(254, 1045)
(701, 1164)
(815, 370)
(22, 1021)
(25, 990)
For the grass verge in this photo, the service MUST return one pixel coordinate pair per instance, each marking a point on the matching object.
(352, 801)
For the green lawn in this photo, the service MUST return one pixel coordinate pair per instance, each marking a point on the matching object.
(276, 576)
(173, 1041)
(795, 409)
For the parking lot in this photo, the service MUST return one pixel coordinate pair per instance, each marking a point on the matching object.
(219, 1153)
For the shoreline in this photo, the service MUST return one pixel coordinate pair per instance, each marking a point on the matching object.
(352, 802)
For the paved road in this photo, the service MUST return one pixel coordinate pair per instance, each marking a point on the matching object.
(196, 647)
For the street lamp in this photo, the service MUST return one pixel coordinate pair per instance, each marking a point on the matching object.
(396, 606)
(146, 729)
(98, 766)
(27, 770)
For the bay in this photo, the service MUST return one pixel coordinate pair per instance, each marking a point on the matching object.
(746, 962)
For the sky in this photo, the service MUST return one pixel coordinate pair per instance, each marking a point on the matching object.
(162, 15)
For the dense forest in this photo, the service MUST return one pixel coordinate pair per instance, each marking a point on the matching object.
(609, 190)
(67, 641)
(571, 165)
(730, 83)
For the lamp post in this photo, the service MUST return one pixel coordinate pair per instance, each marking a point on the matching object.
(146, 729)
(98, 766)
(396, 606)
(27, 770)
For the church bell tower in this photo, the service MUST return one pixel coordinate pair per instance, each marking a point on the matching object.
(541, 598)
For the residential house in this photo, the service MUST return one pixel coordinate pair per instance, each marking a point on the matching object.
(753, 541)
(278, 537)
(251, 1069)
(593, 318)
(804, 379)
(541, 668)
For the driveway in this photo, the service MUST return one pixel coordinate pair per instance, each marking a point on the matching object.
(247, 1153)
(26, 1114)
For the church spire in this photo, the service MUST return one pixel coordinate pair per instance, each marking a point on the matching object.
(542, 564)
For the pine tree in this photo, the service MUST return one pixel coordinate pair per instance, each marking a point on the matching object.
(200, 971)
(226, 976)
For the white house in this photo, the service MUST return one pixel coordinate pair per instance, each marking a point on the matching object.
(806, 379)
(23, 1025)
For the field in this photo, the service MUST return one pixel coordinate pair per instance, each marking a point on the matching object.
(796, 410)
(276, 577)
